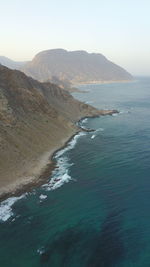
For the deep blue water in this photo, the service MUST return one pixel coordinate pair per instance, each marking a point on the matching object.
(101, 217)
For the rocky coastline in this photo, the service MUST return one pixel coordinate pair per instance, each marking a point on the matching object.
(28, 184)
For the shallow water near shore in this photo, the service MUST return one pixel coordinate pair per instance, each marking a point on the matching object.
(95, 210)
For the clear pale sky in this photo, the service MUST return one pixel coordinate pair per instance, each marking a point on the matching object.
(119, 29)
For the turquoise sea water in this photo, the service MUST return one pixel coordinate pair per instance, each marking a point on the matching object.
(96, 209)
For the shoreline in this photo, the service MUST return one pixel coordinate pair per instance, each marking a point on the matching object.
(43, 177)
(49, 167)
(103, 82)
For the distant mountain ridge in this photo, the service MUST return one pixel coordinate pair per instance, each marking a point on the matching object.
(74, 66)
(9, 63)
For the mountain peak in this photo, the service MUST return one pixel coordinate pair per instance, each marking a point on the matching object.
(75, 66)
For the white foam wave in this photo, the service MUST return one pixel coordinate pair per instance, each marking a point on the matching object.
(84, 120)
(124, 112)
(96, 132)
(40, 250)
(6, 207)
(61, 175)
(100, 130)
(70, 145)
(115, 114)
(121, 112)
(42, 197)
(89, 102)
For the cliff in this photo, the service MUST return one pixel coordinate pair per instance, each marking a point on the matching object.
(35, 120)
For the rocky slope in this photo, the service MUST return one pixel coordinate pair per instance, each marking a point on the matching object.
(35, 120)
(75, 66)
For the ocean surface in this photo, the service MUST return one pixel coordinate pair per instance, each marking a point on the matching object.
(95, 210)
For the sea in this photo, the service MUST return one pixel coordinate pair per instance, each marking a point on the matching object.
(95, 209)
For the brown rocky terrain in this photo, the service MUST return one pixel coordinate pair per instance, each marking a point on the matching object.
(35, 120)
(75, 67)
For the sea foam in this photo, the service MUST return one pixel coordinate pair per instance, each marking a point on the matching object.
(40, 251)
(61, 174)
(115, 114)
(96, 132)
(84, 120)
(124, 112)
(42, 197)
(6, 207)
(70, 145)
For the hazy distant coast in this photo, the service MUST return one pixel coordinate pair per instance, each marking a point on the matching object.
(103, 82)
(66, 68)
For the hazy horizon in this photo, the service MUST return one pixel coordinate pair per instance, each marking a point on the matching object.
(116, 30)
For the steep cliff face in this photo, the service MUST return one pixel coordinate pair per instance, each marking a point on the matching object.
(35, 120)
(26, 95)
(76, 67)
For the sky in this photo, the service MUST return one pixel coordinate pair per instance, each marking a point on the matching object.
(119, 29)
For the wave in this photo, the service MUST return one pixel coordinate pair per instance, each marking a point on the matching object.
(6, 207)
(96, 132)
(42, 197)
(124, 112)
(89, 102)
(70, 145)
(40, 251)
(121, 112)
(61, 174)
(115, 114)
(84, 120)
(100, 130)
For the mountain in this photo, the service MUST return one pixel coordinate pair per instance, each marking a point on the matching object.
(10, 63)
(74, 66)
(35, 120)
